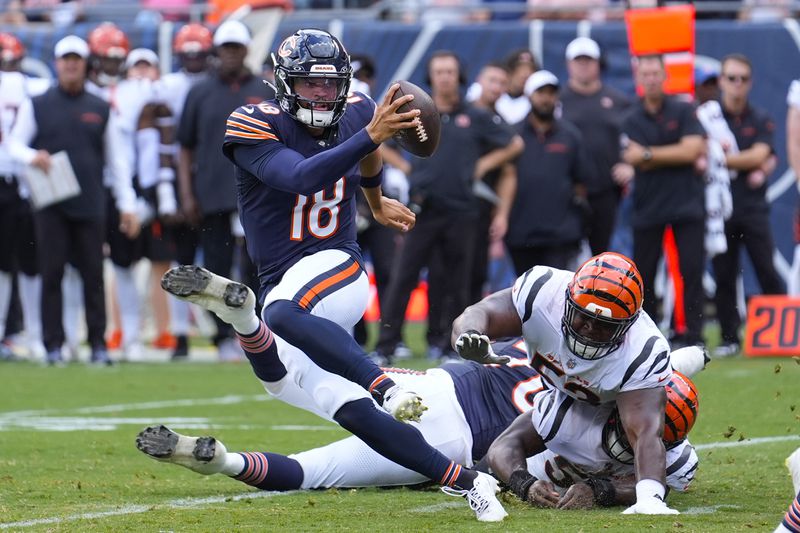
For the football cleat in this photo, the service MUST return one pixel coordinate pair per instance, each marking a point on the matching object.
(404, 405)
(793, 464)
(231, 301)
(204, 455)
(482, 498)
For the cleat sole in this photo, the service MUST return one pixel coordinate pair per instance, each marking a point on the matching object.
(191, 280)
(204, 449)
(157, 441)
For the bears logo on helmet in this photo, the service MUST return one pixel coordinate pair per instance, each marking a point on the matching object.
(604, 298)
(312, 54)
(192, 38)
(680, 415)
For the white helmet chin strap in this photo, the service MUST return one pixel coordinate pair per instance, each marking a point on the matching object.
(316, 119)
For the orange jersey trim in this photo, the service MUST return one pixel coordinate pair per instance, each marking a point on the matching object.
(322, 285)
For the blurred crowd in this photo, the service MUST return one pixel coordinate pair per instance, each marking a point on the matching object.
(530, 170)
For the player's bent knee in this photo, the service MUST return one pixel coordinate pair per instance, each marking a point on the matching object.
(279, 316)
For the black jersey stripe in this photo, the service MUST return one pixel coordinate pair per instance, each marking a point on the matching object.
(659, 358)
(537, 286)
(562, 412)
(682, 460)
(639, 361)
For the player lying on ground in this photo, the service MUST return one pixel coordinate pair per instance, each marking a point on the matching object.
(470, 404)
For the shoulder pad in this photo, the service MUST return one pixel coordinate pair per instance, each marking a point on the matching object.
(250, 123)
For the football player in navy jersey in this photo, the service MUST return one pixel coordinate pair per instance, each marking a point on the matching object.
(470, 405)
(298, 159)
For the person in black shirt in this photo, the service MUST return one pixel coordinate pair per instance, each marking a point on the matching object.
(546, 222)
(664, 141)
(597, 111)
(205, 177)
(471, 145)
(749, 224)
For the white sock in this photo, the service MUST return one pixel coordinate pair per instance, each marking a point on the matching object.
(30, 293)
(234, 464)
(130, 304)
(72, 293)
(687, 360)
(247, 326)
(5, 300)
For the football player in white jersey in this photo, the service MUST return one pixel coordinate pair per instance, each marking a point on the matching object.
(793, 154)
(588, 337)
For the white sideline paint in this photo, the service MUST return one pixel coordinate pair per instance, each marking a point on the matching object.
(746, 442)
(436, 507)
(710, 509)
(187, 503)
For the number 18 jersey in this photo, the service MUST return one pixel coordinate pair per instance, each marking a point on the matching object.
(282, 225)
(641, 361)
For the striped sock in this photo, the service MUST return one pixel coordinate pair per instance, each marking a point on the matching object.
(379, 386)
(458, 476)
(260, 349)
(792, 519)
(270, 471)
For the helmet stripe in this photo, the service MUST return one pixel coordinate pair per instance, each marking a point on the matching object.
(604, 296)
(614, 282)
(629, 273)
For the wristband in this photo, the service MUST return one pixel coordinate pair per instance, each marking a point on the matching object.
(372, 182)
(604, 492)
(649, 488)
(519, 483)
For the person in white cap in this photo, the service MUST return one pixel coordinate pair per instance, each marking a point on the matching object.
(597, 111)
(546, 222)
(207, 186)
(68, 118)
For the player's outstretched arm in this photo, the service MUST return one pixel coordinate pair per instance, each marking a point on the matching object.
(386, 121)
(493, 317)
(641, 413)
(507, 456)
(599, 492)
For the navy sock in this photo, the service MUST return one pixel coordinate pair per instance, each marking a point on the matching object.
(401, 443)
(327, 344)
(791, 520)
(261, 351)
(270, 471)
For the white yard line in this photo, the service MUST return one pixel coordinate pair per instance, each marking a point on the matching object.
(746, 442)
(187, 503)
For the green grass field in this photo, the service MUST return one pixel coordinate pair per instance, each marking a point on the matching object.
(68, 460)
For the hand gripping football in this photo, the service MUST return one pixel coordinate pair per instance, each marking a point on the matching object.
(422, 140)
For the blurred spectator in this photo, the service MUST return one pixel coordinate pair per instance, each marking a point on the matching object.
(205, 177)
(793, 154)
(11, 13)
(174, 10)
(508, 10)
(471, 145)
(765, 10)
(500, 184)
(221, 9)
(515, 105)
(69, 118)
(192, 45)
(706, 83)
(597, 111)
(60, 13)
(594, 10)
(547, 217)
(749, 156)
(714, 12)
(664, 141)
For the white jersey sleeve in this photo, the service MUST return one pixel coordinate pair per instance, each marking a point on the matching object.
(651, 368)
(793, 97)
(682, 463)
(530, 284)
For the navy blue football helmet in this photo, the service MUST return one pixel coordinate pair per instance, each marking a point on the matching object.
(312, 54)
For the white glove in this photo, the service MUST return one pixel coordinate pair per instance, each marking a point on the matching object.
(652, 505)
(649, 499)
(475, 346)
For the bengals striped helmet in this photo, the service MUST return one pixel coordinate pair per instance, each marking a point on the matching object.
(603, 300)
(107, 40)
(11, 48)
(679, 417)
(193, 38)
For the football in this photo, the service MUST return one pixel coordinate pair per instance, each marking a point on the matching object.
(422, 140)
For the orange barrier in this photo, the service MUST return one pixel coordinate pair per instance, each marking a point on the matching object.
(672, 260)
(668, 31)
(773, 326)
(416, 311)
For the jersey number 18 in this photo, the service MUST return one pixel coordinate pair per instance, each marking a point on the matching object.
(309, 213)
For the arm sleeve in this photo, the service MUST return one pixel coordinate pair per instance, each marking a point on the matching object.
(651, 368)
(120, 167)
(282, 168)
(22, 134)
